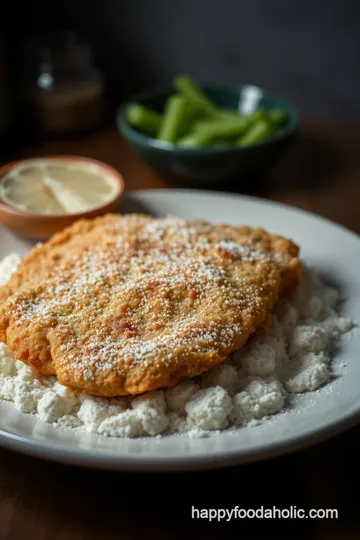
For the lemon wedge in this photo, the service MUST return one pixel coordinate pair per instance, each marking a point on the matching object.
(55, 186)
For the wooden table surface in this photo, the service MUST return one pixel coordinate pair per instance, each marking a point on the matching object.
(41, 500)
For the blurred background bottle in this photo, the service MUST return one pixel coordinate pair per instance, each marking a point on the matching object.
(6, 103)
(64, 89)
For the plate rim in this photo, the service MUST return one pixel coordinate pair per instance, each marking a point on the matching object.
(223, 459)
(250, 198)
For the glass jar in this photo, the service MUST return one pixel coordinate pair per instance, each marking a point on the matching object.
(64, 88)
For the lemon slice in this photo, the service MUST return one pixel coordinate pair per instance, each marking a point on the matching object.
(54, 186)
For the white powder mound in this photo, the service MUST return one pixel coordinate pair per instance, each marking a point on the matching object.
(293, 356)
(260, 397)
(209, 408)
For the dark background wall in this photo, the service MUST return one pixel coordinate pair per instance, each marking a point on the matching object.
(307, 50)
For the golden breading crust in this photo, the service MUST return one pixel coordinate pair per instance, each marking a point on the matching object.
(126, 304)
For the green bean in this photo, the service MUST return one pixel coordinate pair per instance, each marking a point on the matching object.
(257, 132)
(198, 99)
(276, 116)
(143, 119)
(258, 114)
(223, 114)
(174, 114)
(205, 132)
(191, 117)
(226, 127)
(194, 140)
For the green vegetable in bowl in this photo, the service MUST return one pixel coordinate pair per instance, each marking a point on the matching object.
(258, 132)
(174, 114)
(223, 114)
(198, 99)
(143, 119)
(191, 119)
(208, 130)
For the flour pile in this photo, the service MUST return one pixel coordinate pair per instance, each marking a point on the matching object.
(292, 356)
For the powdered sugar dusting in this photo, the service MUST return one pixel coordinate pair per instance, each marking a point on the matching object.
(293, 356)
(131, 299)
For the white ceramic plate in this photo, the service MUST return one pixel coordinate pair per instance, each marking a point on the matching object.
(331, 250)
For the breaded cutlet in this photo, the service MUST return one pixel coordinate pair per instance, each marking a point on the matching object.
(125, 304)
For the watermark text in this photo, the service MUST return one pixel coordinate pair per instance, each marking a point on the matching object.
(292, 512)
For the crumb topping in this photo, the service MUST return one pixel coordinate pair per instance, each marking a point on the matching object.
(146, 291)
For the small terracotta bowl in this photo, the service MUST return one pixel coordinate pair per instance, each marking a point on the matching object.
(40, 227)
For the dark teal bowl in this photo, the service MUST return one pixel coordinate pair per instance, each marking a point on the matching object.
(211, 167)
